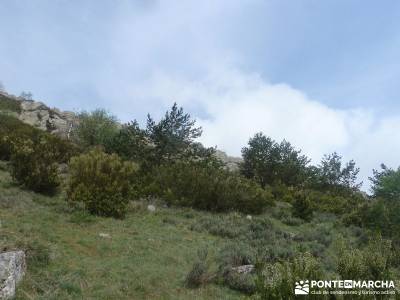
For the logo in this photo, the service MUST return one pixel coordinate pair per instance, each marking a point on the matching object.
(344, 287)
(302, 287)
(348, 284)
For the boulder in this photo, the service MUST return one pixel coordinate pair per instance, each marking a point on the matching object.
(43, 117)
(245, 269)
(12, 269)
(104, 235)
(151, 208)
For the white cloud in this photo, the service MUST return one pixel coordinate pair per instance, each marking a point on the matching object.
(236, 105)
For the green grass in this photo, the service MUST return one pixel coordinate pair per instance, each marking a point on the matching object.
(144, 258)
(148, 255)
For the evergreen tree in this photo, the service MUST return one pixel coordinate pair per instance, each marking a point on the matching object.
(332, 176)
(173, 136)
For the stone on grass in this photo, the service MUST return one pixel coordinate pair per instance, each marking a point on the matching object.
(249, 217)
(151, 208)
(104, 235)
(245, 269)
(12, 269)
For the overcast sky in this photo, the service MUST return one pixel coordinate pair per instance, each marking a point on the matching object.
(322, 74)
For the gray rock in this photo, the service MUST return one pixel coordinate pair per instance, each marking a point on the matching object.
(245, 269)
(12, 269)
(104, 235)
(151, 208)
(43, 117)
(231, 163)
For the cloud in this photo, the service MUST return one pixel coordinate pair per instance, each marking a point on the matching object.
(235, 105)
(134, 57)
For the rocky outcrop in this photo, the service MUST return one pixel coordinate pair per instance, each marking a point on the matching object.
(12, 269)
(43, 117)
(232, 163)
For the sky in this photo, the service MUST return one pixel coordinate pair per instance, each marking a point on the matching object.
(322, 74)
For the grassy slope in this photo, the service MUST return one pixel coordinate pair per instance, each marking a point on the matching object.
(145, 258)
(147, 255)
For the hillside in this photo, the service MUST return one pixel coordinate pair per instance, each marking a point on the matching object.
(121, 212)
(147, 255)
(37, 114)
(58, 122)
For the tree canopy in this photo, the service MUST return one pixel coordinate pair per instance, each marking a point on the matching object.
(270, 162)
(173, 135)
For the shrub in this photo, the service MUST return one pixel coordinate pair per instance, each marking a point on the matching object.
(101, 183)
(34, 163)
(371, 263)
(13, 130)
(283, 193)
(8, 104)
(10, 128)
(96, 128)
(204, 186)
(379, 215)
(292, 221)
(236, 254)
(199, 274)
(331, 202)
(218, 226)
(277, 281)
(244, 283)
(302, 207)
(233, 255)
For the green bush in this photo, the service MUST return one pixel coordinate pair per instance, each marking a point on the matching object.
(10, 128)
(329, 202)
(13, 130)
(34, 163)
(277, 281)
(204, 186)
(283, 193)
(236, 254)
(244, 283)
(199, 273)
(8, 104)
(96, 128)
(302, 207)
(379, 215)
(130, 143)
(102, 183)
(371, 263)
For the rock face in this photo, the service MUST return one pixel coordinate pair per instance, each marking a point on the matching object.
(12, 269)
(43, 117)
(232, 163)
